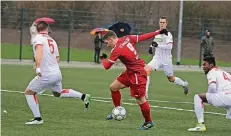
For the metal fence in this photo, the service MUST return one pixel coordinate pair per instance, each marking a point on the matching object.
(72, 28)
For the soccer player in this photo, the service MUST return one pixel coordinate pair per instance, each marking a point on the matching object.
(134, 76)
(48, 74)
(218, 94)
(163, 57)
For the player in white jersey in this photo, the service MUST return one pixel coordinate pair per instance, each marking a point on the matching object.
(218, 94)
(163, 57)
(48, 73)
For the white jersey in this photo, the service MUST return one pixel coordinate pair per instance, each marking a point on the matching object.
(49, 64)
(221, 78)
(164, 48)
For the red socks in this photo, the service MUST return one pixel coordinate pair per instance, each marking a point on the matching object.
(116, 97)
(145, 109)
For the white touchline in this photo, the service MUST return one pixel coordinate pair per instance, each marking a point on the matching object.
(104, 101)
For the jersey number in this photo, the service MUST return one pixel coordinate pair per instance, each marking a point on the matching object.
(130, 47)
(51, 45)
(225, 76)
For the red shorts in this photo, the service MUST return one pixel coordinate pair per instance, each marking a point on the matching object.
(136, 82)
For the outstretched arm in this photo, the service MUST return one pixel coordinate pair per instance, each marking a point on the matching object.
(143, 37)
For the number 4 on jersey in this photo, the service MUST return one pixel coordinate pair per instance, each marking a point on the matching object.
(225, 76)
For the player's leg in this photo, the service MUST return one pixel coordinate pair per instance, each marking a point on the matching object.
(199, 99)
(34, 87)
(153, 65)
(69, 93)
(168, 71)
(120, 83)
(138, 91)
(228, 115)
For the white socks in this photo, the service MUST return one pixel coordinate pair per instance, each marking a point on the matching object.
(178, 81)
(199, 108)
(33, 104)
(147, 84)
(228, 115)
(71, 93)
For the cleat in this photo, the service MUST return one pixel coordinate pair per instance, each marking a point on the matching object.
(87, 100)
(34, 122)
(109, 117)
(185, 87)
(199, 128)
(146, 126)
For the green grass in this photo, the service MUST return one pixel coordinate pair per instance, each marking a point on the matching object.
(11, 51)
(66, 117)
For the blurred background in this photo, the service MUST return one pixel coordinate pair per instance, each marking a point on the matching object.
(75, 20)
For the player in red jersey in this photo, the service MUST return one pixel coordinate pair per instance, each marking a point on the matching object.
(134, 76)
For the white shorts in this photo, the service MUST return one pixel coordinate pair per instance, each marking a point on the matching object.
(165, 64)
(52, 82)
(220, 99)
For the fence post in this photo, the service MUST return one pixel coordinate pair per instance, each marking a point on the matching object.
(201, 35)
(21, 33)
(69, 37)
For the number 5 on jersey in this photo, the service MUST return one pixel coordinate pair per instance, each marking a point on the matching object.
(51, 45)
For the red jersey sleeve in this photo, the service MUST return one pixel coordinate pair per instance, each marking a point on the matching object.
(143, 37)
(112, 59)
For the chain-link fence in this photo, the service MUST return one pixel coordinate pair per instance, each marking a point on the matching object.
(73, 27)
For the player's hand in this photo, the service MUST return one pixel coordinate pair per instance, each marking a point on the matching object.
(103, 56)
(164, 31)
(38, 72)
(150, 50)
(154, 44)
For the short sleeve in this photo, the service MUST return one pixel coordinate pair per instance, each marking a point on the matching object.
(169, 38)
(211, 77)
(115, 53)
(37, 40)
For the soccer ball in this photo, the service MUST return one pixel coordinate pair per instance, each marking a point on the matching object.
(119, 113)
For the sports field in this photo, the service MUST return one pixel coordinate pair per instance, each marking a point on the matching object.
(171, 109)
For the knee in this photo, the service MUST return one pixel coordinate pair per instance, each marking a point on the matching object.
(56, 94)
(113, 87)
(171, 78)
(140, 101)
(29, 92)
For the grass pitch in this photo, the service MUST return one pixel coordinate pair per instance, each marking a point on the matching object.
(67, 117)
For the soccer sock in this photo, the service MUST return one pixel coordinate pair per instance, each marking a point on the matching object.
(33, 104)
(72, 93)
(178, 81)
(228, 115)
(199, 108)
(145, 109)
(116, 97)
(147, 84)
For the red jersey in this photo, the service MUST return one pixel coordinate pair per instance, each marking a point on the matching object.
(125, 51)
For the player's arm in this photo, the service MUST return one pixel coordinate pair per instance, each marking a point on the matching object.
(38, 47)
(212, 86)
(113, 57)
(168, 45)
(38, 57)
(56, 51)
(143, 37)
